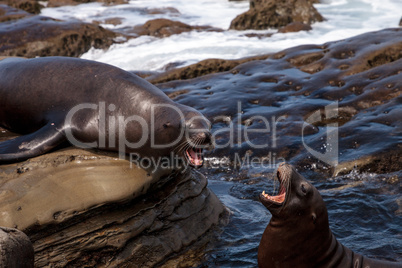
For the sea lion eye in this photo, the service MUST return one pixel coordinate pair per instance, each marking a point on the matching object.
(166, 125)
(303, 188)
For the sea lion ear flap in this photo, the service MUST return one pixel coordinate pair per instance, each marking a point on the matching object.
(314, 217)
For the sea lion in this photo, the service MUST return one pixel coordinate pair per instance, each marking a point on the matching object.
(93, 105)
(298, 234)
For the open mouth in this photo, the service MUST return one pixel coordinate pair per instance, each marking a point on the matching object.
(281, 196)
(195, 157)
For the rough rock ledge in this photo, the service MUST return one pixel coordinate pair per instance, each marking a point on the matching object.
(82, 208)
(26, 35)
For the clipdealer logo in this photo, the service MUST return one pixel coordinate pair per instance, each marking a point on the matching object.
(115, 125)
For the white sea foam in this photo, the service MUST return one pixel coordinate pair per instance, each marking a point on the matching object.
(217, 13)
(344, 18)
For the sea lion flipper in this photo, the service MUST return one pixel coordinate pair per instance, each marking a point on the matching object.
(31, 145)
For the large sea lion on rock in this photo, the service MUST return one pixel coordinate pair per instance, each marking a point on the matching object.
(94, 105)
(298, 234)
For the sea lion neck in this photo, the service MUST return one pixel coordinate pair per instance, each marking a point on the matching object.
(298, 234)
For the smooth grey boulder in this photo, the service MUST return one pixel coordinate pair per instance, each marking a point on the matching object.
(16, 249)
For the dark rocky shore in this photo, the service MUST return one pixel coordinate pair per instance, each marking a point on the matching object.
(166, 219)
(362, 73)
(25, 35)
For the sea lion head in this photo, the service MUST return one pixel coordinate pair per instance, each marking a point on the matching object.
(197, 137)
(296, 195)
(299, 225)
(186, 130)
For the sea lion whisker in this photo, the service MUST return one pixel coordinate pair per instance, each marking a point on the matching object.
(181, 144)
(181, 150)
(182, 147)
(178, 146)
(193, 143)
(197, 142)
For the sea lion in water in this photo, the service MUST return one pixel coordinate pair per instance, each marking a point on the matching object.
(90, 104)
(298, 234)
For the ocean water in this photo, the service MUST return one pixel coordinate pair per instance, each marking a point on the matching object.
(344, 18)
(363, 214)
(351, 199)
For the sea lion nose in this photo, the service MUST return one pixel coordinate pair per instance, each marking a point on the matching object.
(204, 138)
(207, 137)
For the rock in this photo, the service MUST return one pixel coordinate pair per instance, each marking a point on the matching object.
(59, 3)
(382, 162)
(294, 27)
(32, 36)
(199, 69)
(113, 21)
(89, 208)
(31, 6)
(162, 28)
(163, 10)
(16, 249)
(261, 118)
(165, 28)
(8, 13)
(112, 2)
(264, 14)
(259, 35)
